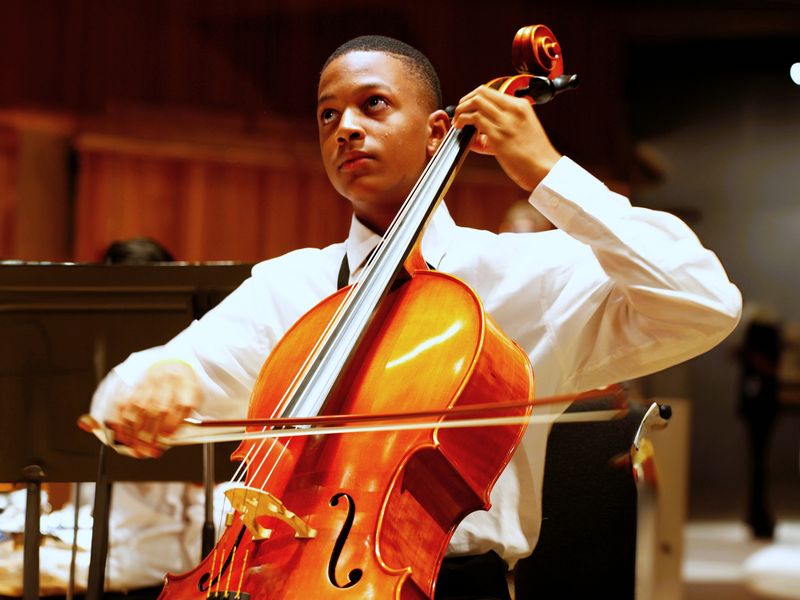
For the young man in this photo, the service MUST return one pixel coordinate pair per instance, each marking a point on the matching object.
(614, 293)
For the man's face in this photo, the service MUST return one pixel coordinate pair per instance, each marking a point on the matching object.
(374, 133)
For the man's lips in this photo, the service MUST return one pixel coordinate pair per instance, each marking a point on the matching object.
(353, 160)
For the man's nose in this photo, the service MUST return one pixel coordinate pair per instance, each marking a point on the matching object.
(350, 127)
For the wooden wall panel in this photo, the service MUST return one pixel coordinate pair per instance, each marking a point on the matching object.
(35, 181)
(204, 208)
(9, 147)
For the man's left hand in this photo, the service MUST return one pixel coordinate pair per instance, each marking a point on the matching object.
(508, 128)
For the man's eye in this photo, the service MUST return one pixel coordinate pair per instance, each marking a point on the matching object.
(376, 103)
(327, 115)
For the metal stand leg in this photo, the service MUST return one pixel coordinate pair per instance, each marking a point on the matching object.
(34, 475)
(644, 474)
(209, 533)
(100, 513)
(74, 552)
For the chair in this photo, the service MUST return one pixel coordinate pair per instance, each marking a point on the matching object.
(587, 544)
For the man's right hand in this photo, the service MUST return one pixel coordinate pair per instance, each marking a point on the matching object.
(156, 406)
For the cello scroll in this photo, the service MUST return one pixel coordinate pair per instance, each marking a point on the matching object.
(536, 56)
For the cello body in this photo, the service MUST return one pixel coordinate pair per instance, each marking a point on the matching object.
(382, 506)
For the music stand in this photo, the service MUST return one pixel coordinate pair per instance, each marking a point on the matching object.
(64, 326)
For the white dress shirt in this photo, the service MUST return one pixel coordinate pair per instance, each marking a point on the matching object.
(614, 293)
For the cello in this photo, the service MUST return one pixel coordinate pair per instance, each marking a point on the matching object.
(371, 515)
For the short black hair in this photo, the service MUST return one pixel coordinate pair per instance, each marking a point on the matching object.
(418, 63)
(136, 251)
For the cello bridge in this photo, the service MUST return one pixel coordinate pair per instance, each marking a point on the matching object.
(252, 503)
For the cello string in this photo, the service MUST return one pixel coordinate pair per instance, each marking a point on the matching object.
(252, 476)
(275, 464)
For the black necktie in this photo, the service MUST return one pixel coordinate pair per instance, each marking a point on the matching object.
(344, 270)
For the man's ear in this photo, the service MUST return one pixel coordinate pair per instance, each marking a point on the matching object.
(438, 125)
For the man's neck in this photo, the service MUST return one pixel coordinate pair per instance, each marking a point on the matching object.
(374, 221)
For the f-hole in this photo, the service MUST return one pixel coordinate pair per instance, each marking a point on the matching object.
(354, 576)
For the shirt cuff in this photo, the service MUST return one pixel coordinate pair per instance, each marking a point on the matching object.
(569, 190)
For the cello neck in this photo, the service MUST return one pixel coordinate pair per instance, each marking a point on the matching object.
(407, 227)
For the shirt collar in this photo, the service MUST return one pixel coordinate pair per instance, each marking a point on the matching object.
(361, 240)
